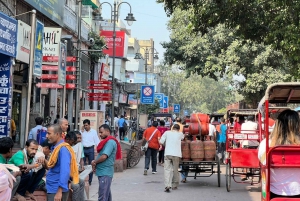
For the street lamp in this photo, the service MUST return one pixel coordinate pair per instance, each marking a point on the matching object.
(130, 19)
(146, 55)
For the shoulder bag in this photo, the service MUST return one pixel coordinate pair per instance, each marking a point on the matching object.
(145, 145)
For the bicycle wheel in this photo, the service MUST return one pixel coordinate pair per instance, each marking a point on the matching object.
(228, 176)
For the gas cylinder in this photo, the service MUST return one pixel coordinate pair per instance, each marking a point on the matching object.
(194, 128)
(194, 118)
(197, 150)
(185, 130)
(209, 150)
(185, 149)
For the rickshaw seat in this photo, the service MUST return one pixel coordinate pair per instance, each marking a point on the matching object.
(284, 157)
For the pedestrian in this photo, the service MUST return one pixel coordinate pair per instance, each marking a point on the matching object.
(34, 131)
(152, 136)
(121, 125)
(13, 129)
(56, 120)
(64, 124)
(178, 121)
(6, 145)
(211, 132)
(107, 119)
(78, 189)
(172, 141)
(78, 149)
(62, 165)
(116, 127)
(222, 141)
(90, 141)
(161, 152)
(32, 169)
(109, 150)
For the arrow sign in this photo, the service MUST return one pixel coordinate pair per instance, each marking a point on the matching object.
(100, 87)
(166, 102)
(99, 94)
(176, 108)
(98, 82)
(70, 77)
(49, 68)
(49, 85)
(160, 98)
(89, 98)
(71, 69)
(70, 86)
(49, 76)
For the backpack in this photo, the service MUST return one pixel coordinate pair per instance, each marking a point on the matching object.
(125, 126)
(41, 135)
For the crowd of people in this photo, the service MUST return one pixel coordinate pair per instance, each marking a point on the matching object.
(57, 162)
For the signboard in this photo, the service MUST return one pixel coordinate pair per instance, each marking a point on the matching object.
(38, 52)
(49, 85)
(62, 65)
(8, 36)
(108, 87)
(160, 98)
(96, 118)
(51, 45)
(185, 113)
(98, 82)
(53, 9)
(119, 42)
(147, 94)
(5, 95)
(166, 102)
(104, 72)
(99, 94)
(132, 99)
(23, 47)
(176, 108)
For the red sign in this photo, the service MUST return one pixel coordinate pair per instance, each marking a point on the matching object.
(99, 94)
(100, 87)
(119, 42)
(49, 68)
(56, 59)
(70, 86)
(49, 85)
(89, 98)
(49, 77)
(71, 59)
(70, 77)
(71, 69)
(98, 82)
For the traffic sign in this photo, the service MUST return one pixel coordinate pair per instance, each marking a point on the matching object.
(160, 98)
(176, 108)
(185, 113)
(49, 85)
(99, 94)
(147, 94)
(98, 82)
(166, 102)
(89, 98)
(108, 87)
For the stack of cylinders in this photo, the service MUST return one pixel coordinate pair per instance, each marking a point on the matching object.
(209, 150)
(197, 150)
(185, 149)
(199, 124)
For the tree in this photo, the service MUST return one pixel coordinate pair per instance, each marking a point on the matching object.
(98, 45)
(274, 23)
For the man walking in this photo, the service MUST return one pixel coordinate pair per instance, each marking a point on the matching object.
(222, 141)
(109, 150)
(90, 141)
(152, 135)
(62, 165)
(172, 140)
(34, 131)
(178, 121)
(121, 123)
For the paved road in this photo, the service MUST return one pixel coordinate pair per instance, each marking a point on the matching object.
(132, 185)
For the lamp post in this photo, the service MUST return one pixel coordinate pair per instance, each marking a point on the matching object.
(114, 18)
(146, 55)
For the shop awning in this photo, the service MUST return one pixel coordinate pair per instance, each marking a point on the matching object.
(92, 3)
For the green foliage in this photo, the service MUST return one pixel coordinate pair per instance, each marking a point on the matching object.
(99, 43)
(149, 109)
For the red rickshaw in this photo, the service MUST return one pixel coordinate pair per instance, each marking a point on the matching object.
(276, 99)
(242, 161)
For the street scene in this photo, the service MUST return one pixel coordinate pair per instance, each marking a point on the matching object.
(149, 99)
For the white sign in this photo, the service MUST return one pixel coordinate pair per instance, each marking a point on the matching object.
(23, 46)
(52, 38)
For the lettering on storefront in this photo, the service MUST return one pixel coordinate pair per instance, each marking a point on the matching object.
(8, 35)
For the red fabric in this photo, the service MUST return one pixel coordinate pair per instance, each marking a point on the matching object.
(162, 129)
(237, 127)
(103, 142)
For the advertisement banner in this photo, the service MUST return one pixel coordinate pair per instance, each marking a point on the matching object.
(51, 43)
(38, 52)
(119, 43)
(8, 35)
(132, 99)
(62, 64)
(53, 9)
(23, 47)
(5, 95)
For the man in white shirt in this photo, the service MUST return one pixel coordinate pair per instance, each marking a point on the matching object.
(249, 127)
(116, 119)
(90, 141)
(172, 141)
(212, 131)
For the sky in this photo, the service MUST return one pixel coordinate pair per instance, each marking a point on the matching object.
(151, 21)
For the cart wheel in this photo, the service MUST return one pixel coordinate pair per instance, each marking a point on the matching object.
(219, 171)
(228, 176)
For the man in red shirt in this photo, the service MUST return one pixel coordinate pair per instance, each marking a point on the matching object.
(152, 135)
(161, 152)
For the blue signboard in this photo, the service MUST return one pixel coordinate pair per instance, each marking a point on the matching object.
(176, 108)
(160, 98)
(5, 95)
(185, 113)
(38, 52)
(166, 102)
(62, 64)
(8, 35)
(147, 94)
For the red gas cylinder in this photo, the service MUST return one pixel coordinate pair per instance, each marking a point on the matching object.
(185, 130)
(209, 150)
(185, 149)
(197, 150)
(203, 117)
(194, 129)
(194, 118)
(204, 128)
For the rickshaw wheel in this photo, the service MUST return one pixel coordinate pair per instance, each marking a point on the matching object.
(219, 170)
(228, 176)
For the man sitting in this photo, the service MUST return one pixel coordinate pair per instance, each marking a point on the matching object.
(32, 171)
